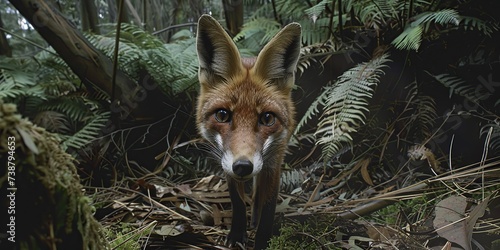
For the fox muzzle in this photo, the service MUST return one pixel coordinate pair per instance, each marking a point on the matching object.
(242, 168)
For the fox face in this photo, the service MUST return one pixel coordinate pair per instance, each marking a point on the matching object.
(248, 122)
(245, 112)
(244, 108)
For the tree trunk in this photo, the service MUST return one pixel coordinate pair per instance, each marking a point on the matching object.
(233, 10)
(89, 16)
(134, 13)
(112, 10)
(92, 67)
(5, 49)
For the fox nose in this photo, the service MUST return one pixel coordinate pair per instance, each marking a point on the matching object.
(242, 168)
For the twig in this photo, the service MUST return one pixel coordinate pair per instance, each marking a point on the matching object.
(375, 205)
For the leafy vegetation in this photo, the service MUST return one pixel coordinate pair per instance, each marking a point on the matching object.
(344, 105)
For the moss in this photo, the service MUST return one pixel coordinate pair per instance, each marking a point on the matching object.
(315, 233)
(51, 211)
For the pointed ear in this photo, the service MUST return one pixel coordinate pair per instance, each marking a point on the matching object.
(278, 59)
(217, 54)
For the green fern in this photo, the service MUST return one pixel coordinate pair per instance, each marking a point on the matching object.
(411, 37)
(88, 133)
(369, 13)
(459, 87)
(316, 32)
(345, 104)
(75, 107)
(314, 109)
(256, 33)
(53, 121)
(424, 117)
(16, 83)
(377, 13)
(291, 9)
(263, 10)
(473, 23)
(315, 11)
(129, 54)
(54, 75)
(173, 66)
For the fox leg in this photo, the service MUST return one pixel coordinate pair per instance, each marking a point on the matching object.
(266, 189)
(238, 232)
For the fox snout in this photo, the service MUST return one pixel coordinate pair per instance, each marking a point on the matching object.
(242, 168)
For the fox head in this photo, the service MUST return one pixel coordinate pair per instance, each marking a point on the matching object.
(245, 108)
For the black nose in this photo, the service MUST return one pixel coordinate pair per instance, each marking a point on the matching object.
(242, 168)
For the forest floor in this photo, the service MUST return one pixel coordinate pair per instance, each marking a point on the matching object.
(458, 209)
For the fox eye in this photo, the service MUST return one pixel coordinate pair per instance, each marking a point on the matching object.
(267, 119)
(222, 115)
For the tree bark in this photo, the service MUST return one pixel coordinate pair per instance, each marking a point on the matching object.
(89, 16)
(92, 67)
(233, 10)
(112, 9)
(5, 49)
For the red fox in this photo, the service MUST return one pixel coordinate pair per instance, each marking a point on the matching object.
(246, 113)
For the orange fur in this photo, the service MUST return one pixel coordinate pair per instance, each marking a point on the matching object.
(245, 111)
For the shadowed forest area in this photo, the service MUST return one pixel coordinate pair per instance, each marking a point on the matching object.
(397, 144)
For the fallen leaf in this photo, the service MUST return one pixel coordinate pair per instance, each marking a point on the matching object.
(184, 188)
(451, 222)
(475, 214)
(364, 171)
(207, 183)
(284, 206)
(162, 190)
(28, 140)
(352, 242)
(167, 230)
(379, 233)
(185, 206)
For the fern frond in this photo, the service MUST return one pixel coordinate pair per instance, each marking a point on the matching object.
(445, 16)
(316, 32)
(369, 13)
(471, 23)
(314, 53)
(74, 107)
(313, 110)
(264, 10)
(291, 9)
(411, 37)
(315, 11)
(459, 87)
(88, 133)
(346, 103)
(133, 34)
(257, 32)
(16, 83)
(129, 54)
(53, 121)
(173, 66)
(424, 116)
(290, 180)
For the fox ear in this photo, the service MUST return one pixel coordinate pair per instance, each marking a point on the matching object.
(278, 59)
(217, 54)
